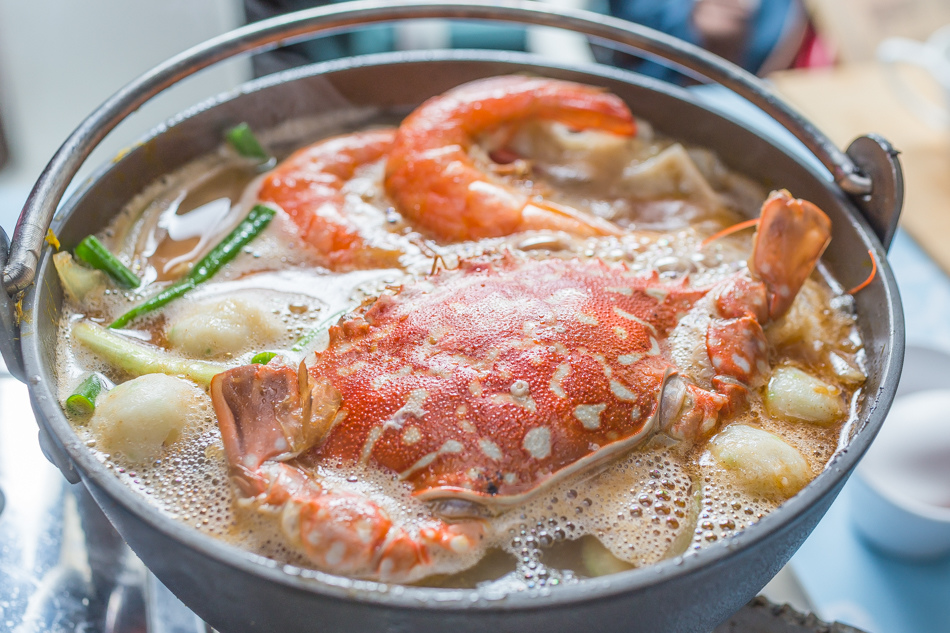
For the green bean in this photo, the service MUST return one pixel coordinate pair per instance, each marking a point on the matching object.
(262, 358)
(249, 228)
(307, 338)
(139, 359)
(94, 253)
(82, 402)
(242, 139)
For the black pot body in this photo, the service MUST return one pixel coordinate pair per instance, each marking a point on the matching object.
(237, 591)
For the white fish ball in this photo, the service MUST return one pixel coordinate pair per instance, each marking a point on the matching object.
(137, 418)
(763, 462)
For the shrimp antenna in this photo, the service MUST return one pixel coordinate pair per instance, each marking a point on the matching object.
(435, 264)
(735, 228)
(864, 284)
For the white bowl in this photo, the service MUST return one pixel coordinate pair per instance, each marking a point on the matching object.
(901, 492)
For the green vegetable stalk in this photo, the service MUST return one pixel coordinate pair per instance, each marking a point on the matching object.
(140, 359)
(82, 402)
(242, 139)
(262, 358)
(249, 228)
(94, 253)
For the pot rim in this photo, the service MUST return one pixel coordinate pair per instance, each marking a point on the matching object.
(450, 599)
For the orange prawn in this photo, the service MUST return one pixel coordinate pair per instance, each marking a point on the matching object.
(308, 186)
(436, 185)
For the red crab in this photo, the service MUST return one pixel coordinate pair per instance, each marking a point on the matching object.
(483, 385)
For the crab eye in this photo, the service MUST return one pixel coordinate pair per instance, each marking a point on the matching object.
(458, 509)
(546, 242)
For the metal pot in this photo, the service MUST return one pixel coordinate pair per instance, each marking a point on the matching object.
(235, 590)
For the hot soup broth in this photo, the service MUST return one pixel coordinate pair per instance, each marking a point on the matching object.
(708, 417)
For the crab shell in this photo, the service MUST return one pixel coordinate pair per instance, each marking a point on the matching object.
(490, 381)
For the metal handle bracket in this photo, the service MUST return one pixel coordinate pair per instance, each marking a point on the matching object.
(881, 207)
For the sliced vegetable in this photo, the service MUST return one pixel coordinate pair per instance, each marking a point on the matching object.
(83, 401)
(94, 253)
(796, 395)
(139, 359)
(77, 280)
(763, 462)
(242, 139)
(263, 358)
(249, 228)
(51, 239)
(322, 326)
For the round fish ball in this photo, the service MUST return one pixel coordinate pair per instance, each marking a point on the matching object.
(229, 326)
(139, 417)
(764, 463)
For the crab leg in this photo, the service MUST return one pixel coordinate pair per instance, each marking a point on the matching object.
(271, 414)
(791, 236)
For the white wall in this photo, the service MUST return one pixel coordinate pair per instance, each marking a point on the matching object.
(59, 59)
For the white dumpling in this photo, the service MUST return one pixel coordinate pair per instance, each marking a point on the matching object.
(137, 418)
(219, 328)
(763, 462)
(796, 395)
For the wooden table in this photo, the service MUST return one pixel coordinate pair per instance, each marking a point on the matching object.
(849, 101)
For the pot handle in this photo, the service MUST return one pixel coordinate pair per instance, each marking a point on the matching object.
(882, 208)
(20, 270)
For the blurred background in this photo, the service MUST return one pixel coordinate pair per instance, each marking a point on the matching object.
(851, 66)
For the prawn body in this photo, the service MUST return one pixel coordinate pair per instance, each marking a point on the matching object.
(437, 186)
(309, 187)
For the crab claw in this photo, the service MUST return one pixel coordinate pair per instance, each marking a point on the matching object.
(339, 531)
(686, 411)
(267, 412)
(792, 235)
(404, 554)
(349, 534)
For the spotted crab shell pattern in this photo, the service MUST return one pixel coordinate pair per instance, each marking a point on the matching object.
(489, 380)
